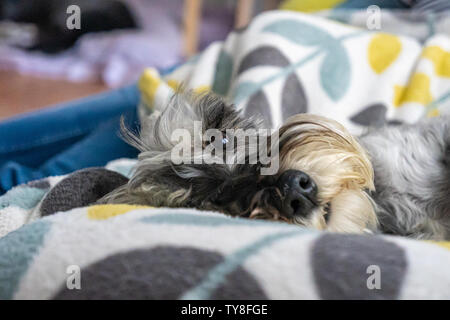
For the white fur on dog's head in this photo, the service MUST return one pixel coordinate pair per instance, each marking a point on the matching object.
(341, 168)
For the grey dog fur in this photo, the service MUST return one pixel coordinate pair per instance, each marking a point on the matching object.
(411, 164)
(412, 177)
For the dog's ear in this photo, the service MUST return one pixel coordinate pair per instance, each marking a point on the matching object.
(154, 141)
(154, 180)
(156, 131)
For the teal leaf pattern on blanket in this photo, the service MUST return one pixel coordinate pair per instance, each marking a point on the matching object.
(174, 217)
(217, 275)
(335, 71)
(223, 74)
(299, 32)
(23, 196)
(17, 250)
(244, 90)
(194, 220)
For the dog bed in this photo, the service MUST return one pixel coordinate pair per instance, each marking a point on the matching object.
(283, 63)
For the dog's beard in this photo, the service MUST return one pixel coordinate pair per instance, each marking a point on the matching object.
(265, 205)
(262, 205)
(315, 219)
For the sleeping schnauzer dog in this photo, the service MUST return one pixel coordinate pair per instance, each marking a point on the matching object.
(393, 180)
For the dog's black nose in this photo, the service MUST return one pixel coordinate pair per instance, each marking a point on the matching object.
(299, 193)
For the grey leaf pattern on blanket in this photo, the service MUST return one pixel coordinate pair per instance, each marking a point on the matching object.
(155, 273)
(258, 106)
(336, 252)
(263, 56)
(81, 188)
(293, 99)
(374, 115)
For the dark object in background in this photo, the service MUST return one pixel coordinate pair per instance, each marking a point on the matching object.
(50, 18)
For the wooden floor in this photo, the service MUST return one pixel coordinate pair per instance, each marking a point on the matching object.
(22, 93)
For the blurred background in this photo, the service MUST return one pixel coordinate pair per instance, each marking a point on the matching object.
(42, 62)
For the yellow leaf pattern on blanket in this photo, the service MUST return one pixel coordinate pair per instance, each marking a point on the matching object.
(383, 50)
(417, 90)
(174, 84)
(106, 211)
(433, 113)
(444, 244)
(202, 89)
(440, 58)
(310, 5)
(148, 85)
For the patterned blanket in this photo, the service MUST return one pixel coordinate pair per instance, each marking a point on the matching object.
(127, 252)
(55, 244)
(286, 63)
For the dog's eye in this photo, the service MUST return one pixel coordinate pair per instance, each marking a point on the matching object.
(212, 139)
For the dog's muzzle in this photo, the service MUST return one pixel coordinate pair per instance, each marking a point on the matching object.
(299, 193)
